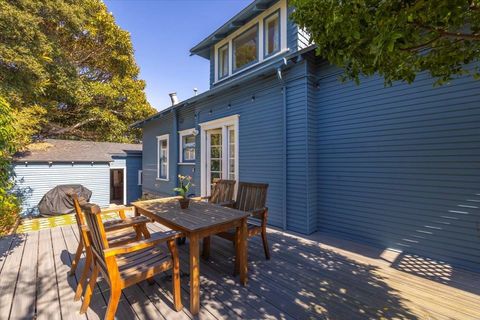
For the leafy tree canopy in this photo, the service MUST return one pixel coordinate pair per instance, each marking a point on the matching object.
(396, 39)
(9, 203)
(68, 71)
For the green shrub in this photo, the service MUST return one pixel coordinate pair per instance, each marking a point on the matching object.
(9, 202)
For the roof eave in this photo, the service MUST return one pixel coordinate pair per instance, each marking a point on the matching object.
(252, 10)
(221, 87)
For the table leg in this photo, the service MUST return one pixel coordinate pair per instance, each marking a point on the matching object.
(194, 275)
(206, 248)
(243, 247)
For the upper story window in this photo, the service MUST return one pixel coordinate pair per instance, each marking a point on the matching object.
(223, 61)
(187, 146)
(272, 34)
(259, 39)
(245, 48)
(162, 157)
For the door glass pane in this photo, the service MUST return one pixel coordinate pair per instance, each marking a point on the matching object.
(216, 152)
(216, 165)
(231, 153)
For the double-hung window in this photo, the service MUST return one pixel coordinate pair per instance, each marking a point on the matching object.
(162, 157)
(187, 146)
(223, 61)
(245, 48)
(271, 34)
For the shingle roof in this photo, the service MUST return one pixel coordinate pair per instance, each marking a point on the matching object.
(52, 150)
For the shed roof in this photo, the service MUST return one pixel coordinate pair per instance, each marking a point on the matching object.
(53, 150)
(251, 11)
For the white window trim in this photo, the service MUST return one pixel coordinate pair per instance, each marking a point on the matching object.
(216, 124)
(140, 178)
(181, 134)
(282, 5)
(161, 138)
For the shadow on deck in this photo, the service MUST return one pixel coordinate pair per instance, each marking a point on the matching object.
(308, 277)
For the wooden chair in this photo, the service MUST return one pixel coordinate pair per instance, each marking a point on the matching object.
(120, 231)
(222, 194)
(252, 197)
(125, 265)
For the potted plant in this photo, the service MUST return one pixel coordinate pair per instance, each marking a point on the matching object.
(182, 190)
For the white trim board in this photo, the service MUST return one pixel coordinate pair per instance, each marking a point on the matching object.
(221, 123)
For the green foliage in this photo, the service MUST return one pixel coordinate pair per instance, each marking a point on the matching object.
(68, 71)
(396, 39)
(185, 184)
(9, 204)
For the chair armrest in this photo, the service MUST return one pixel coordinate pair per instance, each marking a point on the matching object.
(128, 222)
(139, 245)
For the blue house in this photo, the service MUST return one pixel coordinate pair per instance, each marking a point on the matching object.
(396, 167)
(112, 171)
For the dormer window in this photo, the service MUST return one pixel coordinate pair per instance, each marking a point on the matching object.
(253, 42)
(272, 34)
(223, 61)
(245, 48)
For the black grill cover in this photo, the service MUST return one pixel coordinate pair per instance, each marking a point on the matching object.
(57, 202)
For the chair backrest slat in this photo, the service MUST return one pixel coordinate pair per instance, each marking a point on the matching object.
(97, 231)
(251, 196)
(222, 191)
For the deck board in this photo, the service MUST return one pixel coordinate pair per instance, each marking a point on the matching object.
(48, 305)
(308, 277)
(9, 275)
(23, 304)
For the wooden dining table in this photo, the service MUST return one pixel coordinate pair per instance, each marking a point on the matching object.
(199, 221)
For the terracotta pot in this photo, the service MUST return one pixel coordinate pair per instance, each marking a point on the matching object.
(184, 202)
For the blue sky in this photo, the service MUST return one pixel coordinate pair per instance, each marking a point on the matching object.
(162, 34)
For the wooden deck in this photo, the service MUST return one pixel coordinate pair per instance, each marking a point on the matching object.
(313, 277)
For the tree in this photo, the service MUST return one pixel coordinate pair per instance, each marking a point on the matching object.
(68, 71)
(396, 39)
(9, 203)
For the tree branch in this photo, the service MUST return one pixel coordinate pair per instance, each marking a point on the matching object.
(421, 46)
(75, 126)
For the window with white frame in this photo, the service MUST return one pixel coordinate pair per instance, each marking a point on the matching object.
(162, 157)
(260, 39)
(187, 146)
(140, 177)
(223, 57)
(271, 33)
(245, 48)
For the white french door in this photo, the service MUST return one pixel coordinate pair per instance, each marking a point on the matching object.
(219, 152)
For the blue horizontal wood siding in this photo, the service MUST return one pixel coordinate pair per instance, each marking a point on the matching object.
(260, 107)
(133, 165)
(34, 180)
(399, 167)
(151, 130)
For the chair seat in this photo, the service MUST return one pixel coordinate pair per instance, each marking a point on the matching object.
(143, 264)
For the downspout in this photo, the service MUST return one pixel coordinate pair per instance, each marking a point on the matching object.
(176, 146)
(284, 138)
